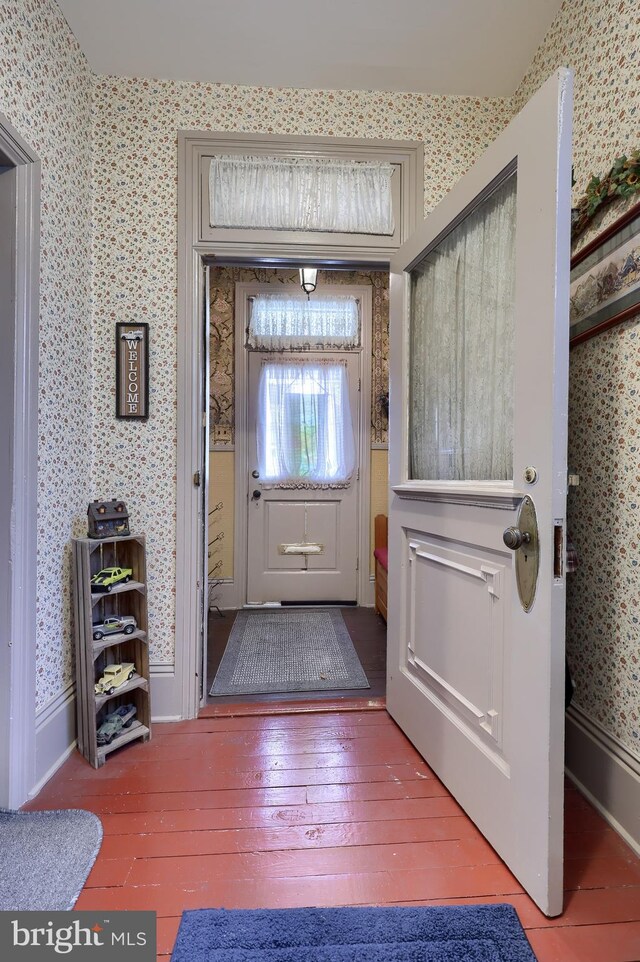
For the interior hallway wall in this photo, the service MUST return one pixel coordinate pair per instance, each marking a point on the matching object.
(135, 122)
(600, 40)
(45, 87)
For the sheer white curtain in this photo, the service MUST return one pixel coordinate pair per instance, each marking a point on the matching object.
(301, 194)
(305, 432)
(461, 348)
(286, 322)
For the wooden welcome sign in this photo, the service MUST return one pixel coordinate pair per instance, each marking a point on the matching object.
(132, 370)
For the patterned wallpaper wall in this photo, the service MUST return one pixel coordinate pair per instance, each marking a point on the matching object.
(134, 253)
(44, 91)
(45, 94)
(600, 40)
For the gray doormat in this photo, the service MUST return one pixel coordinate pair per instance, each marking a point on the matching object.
(45, 858)
(288, 650)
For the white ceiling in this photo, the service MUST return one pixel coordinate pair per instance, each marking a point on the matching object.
(471, 47)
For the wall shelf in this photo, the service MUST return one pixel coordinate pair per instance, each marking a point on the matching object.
(116, 590)
(92, 657)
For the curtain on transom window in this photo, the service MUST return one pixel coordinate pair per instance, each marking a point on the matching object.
(293, 322)
(301, 194)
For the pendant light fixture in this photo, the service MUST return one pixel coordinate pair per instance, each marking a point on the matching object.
(308, 279)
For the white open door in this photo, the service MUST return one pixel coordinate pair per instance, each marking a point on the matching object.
(478, 434)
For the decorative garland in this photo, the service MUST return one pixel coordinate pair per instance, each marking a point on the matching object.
(623, 180)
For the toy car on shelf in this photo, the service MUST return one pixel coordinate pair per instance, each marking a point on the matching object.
(114, 676)
(105, 580)
(114, 722)
(125, 624)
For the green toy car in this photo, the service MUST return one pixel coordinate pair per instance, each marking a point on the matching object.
(114, 722)
(105, 580)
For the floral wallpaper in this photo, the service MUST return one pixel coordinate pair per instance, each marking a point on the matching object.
(600, 40)
(108, 150)
(604, 593)
(222, 339)
(134, 255)
(45, 88)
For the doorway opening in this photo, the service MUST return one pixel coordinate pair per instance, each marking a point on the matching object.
(317, 537)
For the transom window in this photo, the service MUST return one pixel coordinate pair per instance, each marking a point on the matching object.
(292, 322)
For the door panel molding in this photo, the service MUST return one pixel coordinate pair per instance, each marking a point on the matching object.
(471, 577)
(488, 495)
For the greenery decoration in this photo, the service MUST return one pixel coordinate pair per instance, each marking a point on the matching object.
(623, 180)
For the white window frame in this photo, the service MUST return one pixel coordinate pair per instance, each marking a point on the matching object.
(406, 161)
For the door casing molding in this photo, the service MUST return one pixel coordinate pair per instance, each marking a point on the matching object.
(234, 595)
(180, 694)
(18, 514)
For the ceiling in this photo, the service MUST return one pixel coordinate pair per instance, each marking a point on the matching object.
(469, 47)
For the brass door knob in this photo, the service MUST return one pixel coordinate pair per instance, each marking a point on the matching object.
(514, 538)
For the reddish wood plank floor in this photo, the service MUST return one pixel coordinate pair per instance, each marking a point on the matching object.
(327, 808)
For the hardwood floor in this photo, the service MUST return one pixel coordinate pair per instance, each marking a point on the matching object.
(369, 636)
(323, 808)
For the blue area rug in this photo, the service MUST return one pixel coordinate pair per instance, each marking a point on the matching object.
(475, 933)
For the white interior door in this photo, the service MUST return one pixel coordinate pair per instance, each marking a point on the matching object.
(479, 364)
(303, 478)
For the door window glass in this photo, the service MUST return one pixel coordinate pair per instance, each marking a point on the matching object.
(304, 432)
(461, 348)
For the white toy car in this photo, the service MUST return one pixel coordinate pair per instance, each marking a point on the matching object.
(114, 677)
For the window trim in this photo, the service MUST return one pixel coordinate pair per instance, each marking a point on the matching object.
(406, 157)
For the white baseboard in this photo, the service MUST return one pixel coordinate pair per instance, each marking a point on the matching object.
(369, 598)
(606, 772)
(55, 736)
(226, 594)
(166, 704)
(56, 722)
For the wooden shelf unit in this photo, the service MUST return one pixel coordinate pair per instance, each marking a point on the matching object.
(90, 556)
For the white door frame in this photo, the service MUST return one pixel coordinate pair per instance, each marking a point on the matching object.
(235, 595)
(18, 471)
(177, 687)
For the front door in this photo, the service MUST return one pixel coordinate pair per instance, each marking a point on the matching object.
(303, 477)
(478, 434)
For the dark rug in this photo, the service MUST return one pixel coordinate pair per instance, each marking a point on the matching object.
(45, 858)
(474, 933)
(286, 650)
